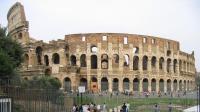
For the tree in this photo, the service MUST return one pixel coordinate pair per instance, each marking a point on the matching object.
(44, 82)
(10, 55)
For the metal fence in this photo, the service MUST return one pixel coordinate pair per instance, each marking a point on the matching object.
(5, 104)
(36, 100)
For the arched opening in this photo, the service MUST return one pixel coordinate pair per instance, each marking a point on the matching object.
(83, 60)
(188, 85)
(168, 65)
(115, 84)
(47, 72)
(175, 65)
(93, 62)
(104, 84)
(153, 85)
(83, 82)
(94, 49)
(145, 85)
(161, 63)
(73, 60)
(94, 84)
(104, 61)
(180, 65)
(168, 53)
(115, 61)
(126, 84)
(161, 85)
(180, 85)
(145, 62)
(175, 85)
(38, 52)
(56, 58)
(136, 50)
(67, 84)
(135, 84)
(126, 60)
(26, 59)
(184, 85)
(191, 85)
(26, 78)
(135, 63)
(20, 35)
(153, 63)
(46, 60)
(169, 85)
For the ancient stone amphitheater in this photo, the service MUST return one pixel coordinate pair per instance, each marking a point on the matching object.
(105, 61)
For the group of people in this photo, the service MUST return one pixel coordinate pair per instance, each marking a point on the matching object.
(157, 108)
(89, 108)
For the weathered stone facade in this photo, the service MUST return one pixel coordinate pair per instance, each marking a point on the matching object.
(110, 62)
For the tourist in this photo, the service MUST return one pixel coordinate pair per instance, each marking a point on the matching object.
(124, 108)
(127, 106)
(74, 108)
(170, 107)
(104, 107)
(98, 108)
(81, 108)
(156, 108)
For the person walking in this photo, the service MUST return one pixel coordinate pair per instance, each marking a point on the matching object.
(156, 108)
(170, 107)
(104, 107)
(124, 108)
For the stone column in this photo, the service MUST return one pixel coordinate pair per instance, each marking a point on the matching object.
(172, 86)
(99, 83)
(177, 85)
(77, 60)
(149, 85)
(140, 85)
(110, 62)
(140, 64)
(99, 61)
(165, 86)
(110, 84)
(157, 65)
(89, 82)
(157, 85)
(121, 85)
(165, 66)
(131, 85)
(149, 64)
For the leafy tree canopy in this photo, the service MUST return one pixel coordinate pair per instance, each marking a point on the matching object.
(44, 82)
(10, 55)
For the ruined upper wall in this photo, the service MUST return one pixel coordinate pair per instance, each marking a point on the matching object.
(16, 17)
(119, 38)
(17, 24)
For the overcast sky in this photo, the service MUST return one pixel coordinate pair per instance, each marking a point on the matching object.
(173, 19)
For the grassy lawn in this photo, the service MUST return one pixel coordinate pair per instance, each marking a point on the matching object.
(142, 104)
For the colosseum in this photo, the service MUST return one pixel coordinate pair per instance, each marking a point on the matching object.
(104, 61)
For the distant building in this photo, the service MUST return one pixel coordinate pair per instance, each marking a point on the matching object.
(105, 61)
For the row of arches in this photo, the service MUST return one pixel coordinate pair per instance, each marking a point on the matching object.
(175, 84)
(171, 65)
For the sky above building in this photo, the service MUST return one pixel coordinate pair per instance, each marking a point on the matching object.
(172, 19)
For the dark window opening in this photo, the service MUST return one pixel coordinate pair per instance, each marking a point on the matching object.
(46, 59)
(73, 60)
(93, 62)
(56, 58)
(83, 60)
(39, 55)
